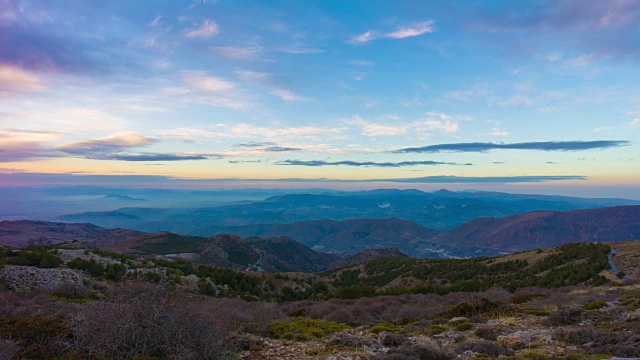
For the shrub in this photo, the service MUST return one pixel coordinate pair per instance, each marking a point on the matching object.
(39, 336)
(9, 349)
(521, 299)
(594, 305)
(617, 343)
(408, 351)
(578, 336)
(484, 347)
(70, 291)
(487, 333)
(377, 329)
(390, 339)
(342, 339)
(566, 316)
(309, 328)
(464, 326)
(436, 329)
(139, 319)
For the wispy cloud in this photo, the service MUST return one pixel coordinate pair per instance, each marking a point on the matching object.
(206, 30)
(431, 122)
(400, 33)
(411, 31)
(635, 122)
(115, 142)
(301, 50)
(316, 163)
(15, 80)
(202, 82)
(542, 146)
(286, 95)
(252, 75)
(154, 157)
(16, 151)
(498, 132)
(278, 133)
(237, 52)
(483, 179)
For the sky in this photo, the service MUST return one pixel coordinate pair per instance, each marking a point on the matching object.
(520, 96)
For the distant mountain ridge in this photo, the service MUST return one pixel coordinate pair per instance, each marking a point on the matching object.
(342, 237)
(441, 210)
(274, 245)
(22, 233)
(541, 229)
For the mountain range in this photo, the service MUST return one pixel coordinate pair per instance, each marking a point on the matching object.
(272, 244)
(441, 210)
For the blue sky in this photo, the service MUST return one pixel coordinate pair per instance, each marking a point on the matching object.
(539, 96)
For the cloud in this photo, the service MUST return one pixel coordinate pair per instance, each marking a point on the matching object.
(16, 151)
(302, 50)
(244, 161)
(255, 144)
(154, 157)
(431, 122)
(600, 29)
(401, 33)
(278, 133)
(482, 179)
(115, 142)
(202, 82)
(416, 30)
(498, 132)
(252, 75)
(606, 128)
(542, 146)
(204, 31)
(15, 80)
(30, 179)
(315, 163)
(280, 149)
(362, 62)
(635, 122)
(237, 52)
(286, 95)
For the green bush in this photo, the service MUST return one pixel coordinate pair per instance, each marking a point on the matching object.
(464, 326)
(594, 305)
(304, 329)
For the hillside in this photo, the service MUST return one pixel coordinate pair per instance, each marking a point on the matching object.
(348, 236)
(22, 233)
(545, 304)
(366, 255)
(542, 229)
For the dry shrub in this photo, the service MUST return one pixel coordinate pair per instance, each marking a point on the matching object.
(391, 339)
(617, 343)
(144, 320)
(349, 340)
(368, 311)
(408, 351)
(565, 316)
(484, 347)
(9, 349)
(39, 337)
(577, 336)
(70, 291)
(241, 316)
(487, 333)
